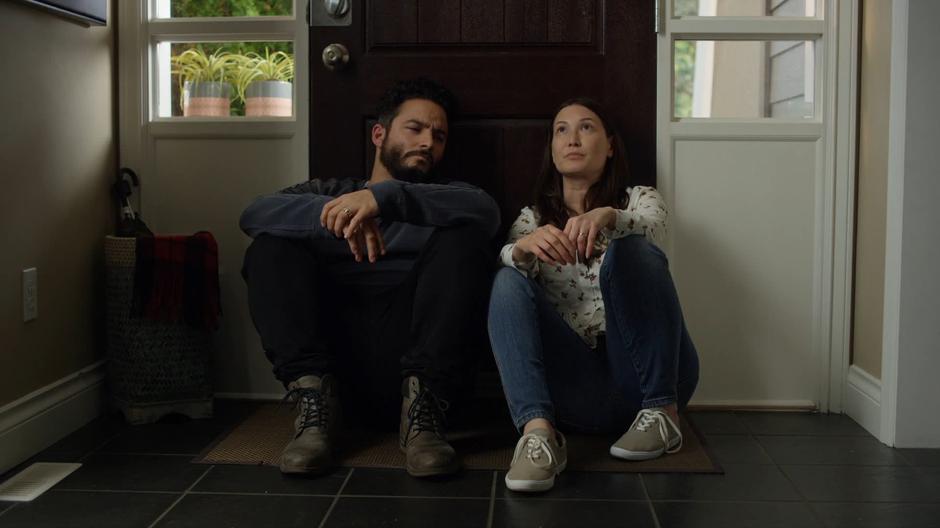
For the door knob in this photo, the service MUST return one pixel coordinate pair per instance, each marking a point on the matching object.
(335, 57)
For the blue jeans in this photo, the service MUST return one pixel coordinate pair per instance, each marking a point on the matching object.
(646, 360)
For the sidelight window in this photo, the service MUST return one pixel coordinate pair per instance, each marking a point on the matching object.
(221, 59)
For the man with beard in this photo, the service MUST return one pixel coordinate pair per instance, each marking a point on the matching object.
(362, 287)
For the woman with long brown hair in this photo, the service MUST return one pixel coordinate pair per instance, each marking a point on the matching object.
(584, 319)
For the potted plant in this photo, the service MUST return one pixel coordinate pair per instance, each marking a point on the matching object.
(204, 78)
(264, 83)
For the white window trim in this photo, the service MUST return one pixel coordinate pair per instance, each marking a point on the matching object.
(834, 28)
(706, 30)
(138, 124)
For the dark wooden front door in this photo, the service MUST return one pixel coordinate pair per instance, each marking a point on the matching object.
(510, 63)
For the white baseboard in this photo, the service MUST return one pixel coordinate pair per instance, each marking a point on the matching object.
(753, 405)
(46, 415)
(863, 400)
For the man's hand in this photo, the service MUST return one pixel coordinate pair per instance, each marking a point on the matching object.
(343, 215)
(549, 244)
(582, 230)
(366, 240)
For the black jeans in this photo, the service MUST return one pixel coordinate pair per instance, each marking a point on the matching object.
(431, 324)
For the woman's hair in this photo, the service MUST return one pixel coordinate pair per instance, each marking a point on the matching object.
(609, 190)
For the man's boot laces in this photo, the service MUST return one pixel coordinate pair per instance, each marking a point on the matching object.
(313, 410)
(426, 413)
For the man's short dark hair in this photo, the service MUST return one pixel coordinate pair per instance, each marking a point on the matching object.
(420, 88)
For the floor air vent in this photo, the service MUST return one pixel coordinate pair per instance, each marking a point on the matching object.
(34, 481)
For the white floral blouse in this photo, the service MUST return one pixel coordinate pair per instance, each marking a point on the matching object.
(574, 289)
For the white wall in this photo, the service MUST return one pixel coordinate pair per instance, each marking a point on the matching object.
(57, 161)
(204, 184)
(918, 337)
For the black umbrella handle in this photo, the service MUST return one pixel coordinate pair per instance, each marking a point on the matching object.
(128, 172)
(122, 191)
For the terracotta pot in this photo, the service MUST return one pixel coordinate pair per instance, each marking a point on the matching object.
(207, 99)
(269, 98)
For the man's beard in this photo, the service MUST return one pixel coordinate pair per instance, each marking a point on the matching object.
(393, 157)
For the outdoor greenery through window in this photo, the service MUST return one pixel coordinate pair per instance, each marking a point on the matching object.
(684, 66)
(223, 8)
(219, 79)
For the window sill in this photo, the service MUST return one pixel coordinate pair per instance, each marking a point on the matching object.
(223, 127)
(747, 128)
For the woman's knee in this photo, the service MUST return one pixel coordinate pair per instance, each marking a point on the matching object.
(509, 284)
(636, 247)
(633, 255)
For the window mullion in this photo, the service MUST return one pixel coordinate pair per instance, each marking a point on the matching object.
(202, 29)
(728, 28)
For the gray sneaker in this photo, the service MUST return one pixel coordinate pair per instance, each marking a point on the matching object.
(652, 434)
(311, 451)
(536, 461)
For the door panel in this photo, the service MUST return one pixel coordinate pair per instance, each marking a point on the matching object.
(751, 239)
(744, 233)
(470, 22)
(510, 63)
(527, 21)
(436, 22)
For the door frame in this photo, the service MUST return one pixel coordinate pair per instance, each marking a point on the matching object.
(842, 152)
(885, 429)
(837, 89)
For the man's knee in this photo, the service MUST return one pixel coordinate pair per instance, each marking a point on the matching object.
(461, 239)
(266, 245)
(267, 249)
(462, 251)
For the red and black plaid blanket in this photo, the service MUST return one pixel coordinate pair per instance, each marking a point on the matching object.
(176, 278)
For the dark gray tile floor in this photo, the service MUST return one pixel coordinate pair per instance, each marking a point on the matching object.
(786, 470)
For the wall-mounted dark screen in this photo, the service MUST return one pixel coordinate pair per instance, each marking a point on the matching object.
(89, 11)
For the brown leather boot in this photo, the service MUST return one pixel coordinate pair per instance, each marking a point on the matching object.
(310, 450)
(421, 433)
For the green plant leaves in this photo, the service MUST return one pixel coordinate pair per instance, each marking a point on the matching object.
(277, 66)
(230, 8)
(198, 65)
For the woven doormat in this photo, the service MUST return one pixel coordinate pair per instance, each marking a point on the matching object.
(260, 438)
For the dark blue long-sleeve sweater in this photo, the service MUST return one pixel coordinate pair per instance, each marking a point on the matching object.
(408, 214)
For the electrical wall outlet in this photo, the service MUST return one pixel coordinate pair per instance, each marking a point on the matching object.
(30, 294)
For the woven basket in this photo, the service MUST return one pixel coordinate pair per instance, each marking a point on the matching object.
(154, 368)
